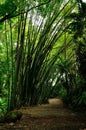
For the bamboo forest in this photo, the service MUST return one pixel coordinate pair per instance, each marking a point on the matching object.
(42, 64)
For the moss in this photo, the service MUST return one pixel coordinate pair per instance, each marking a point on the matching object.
(11, 116)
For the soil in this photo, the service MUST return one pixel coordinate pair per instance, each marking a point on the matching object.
(52, 116)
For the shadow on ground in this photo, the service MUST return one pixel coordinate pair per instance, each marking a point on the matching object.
(52, 116)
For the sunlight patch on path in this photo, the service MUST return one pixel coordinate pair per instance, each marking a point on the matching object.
(56, 102)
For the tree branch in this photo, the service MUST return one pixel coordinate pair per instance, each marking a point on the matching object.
(8, 16)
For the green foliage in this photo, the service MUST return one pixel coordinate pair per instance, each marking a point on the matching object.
(3, 71)
(12, 8)
(31, 77)
(63, 94)
(79, 101)
(13, 116)
(66, 74)
(47, 8)
(65, 65)
(81, 58)
(31, 69)
(82, 99)
(3, 106)
(7, 7)
(77, 27)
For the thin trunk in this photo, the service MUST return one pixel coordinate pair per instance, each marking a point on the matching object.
(8, 68)
(12, 75)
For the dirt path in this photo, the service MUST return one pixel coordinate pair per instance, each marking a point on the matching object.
(52, 116)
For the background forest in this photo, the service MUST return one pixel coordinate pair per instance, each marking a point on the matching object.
(42, 52)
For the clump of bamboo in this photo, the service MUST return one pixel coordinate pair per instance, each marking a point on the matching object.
(35, 54)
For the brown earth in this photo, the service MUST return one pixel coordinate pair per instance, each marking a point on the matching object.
(52, 116)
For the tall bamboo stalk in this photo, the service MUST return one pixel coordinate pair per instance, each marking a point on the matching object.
(12, 67)
(8, 68)
(34, 58)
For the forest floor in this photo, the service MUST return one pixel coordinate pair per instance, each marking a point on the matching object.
(52, 116)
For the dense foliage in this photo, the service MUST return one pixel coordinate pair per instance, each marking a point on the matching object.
(42, 53)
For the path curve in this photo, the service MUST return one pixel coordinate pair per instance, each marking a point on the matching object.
(52, 116)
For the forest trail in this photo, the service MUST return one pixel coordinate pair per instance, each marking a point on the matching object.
(52, 116)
